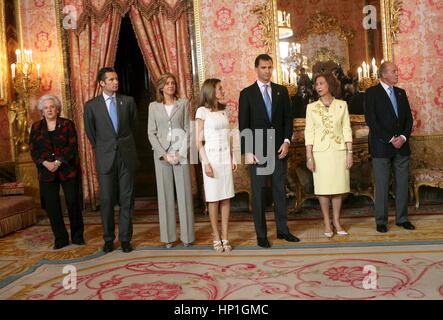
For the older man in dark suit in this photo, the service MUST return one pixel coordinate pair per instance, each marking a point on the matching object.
(265, 106)
(389, 118)
(110, 122)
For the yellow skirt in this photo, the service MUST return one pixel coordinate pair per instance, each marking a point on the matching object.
(330, 175)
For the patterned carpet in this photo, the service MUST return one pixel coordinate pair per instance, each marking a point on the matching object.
(409, 264)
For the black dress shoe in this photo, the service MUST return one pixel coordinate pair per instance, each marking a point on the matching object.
(59, 245)
(263, 242)
(108, 247)
(79, 242)
(382, 228)
(126, 246)
(288, 237)
(407, 225)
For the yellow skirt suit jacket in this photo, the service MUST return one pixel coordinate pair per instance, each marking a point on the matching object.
(327, 130)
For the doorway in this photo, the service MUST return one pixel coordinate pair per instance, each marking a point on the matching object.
(135, 81)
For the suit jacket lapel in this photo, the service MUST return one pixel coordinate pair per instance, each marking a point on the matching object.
(388, 102)
(399, 105)
(275, 97)
(105, 112)
(120, 111)
(174, 109)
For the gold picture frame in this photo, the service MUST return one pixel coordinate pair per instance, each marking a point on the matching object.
(5, 94)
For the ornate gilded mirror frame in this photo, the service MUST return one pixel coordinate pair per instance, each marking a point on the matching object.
(390, 19)
(4, 70)
(389, 16)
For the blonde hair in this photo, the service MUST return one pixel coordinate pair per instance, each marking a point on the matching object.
(207, 95)
(161, 82)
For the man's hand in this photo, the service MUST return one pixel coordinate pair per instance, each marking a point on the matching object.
(283, 151)
(398, 142)
(250, 158)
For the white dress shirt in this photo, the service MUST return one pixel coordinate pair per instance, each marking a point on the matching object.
(386, 87)
(261, 85)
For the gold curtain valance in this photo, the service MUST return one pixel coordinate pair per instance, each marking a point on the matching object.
(99, 10)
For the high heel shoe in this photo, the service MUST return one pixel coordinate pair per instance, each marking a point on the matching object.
(341, 232)
(226, 246)
(218, 246)
(328, 234)
(169, 245)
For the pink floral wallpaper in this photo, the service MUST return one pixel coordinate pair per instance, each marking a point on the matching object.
(39, 27)
(419, 55)
(231, 39)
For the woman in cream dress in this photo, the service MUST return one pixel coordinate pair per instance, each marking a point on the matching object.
(217, 159)
(328, 139)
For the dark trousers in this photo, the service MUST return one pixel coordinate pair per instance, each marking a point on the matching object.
(382, 173)
(117, 185)
(258, 186)
(50, 192)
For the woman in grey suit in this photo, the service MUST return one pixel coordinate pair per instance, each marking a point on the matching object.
(168, 132)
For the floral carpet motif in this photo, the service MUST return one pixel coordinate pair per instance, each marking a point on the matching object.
(400, 273)
(28, 253)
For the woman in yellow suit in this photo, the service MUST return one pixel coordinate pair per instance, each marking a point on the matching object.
(328, 139)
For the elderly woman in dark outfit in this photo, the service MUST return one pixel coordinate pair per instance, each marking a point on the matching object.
(53, 145)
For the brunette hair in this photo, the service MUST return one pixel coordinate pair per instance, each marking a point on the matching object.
(207, 95)
(333, 84)
(264, 57)
(101, 75)
(161, 82)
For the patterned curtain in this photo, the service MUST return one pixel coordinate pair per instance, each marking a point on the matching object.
(161, 30)
(163, 38)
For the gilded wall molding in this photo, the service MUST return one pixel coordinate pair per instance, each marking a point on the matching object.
(4, 65)
(198, 43)
(268, 22)
(323, 55)
(390, 19)
(321, 23)
(66, 105)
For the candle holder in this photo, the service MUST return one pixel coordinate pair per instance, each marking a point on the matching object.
(292, 88)
(366, 83)
(24, 86)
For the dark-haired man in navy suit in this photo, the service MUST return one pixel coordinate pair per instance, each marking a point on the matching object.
(264, 107)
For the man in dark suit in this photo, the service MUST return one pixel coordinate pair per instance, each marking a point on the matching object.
(266, 106)
(389, 118)
(110, 121)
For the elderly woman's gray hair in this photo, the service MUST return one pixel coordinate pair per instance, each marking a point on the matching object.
(47, 97)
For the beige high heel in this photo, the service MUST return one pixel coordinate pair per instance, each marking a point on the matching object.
(226, 246)
(217, 244)
(341, 232)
